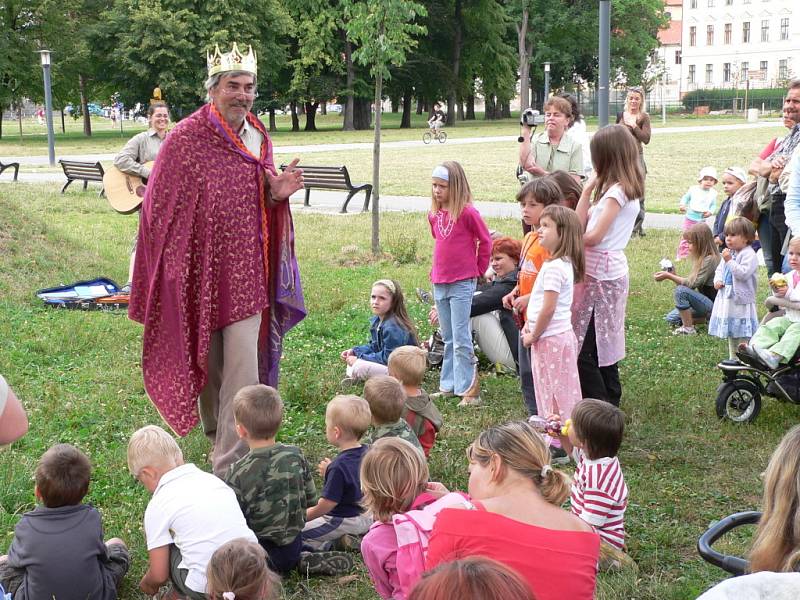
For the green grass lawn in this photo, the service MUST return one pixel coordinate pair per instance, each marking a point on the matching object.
(78, 374)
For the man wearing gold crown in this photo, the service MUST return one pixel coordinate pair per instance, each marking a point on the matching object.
(216, 282)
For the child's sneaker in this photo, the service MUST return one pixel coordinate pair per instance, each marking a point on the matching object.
(682, 330)
(325, 563)
(770, 359)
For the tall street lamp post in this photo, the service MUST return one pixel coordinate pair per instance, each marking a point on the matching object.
(546, 81)
(48, 106)
(604, 60)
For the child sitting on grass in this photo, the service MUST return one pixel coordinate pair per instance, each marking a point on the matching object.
(273, 483)
(408, 364)
(386, 400)
(599, 495)
(191, 514)
(238, 571)
(338, 511)
(58, 549)
(394, 478)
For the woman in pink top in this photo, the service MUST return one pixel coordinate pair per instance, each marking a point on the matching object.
(518, 519)
(460, 255)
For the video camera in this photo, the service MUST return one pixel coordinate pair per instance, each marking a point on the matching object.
(531, 118)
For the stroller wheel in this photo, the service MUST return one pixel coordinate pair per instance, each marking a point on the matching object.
(738, 400)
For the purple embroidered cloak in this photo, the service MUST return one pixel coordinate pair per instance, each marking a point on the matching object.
(199, 262)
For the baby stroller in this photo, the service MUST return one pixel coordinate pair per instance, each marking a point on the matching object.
(731, 564)
(746, 379)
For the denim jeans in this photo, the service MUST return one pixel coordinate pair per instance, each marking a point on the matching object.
(686, 297)
(453, 303)
(765, 234)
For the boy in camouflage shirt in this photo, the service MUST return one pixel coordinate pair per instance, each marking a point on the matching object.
(273, 483)
(386, 399)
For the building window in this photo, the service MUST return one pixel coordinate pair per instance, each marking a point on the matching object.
(744, 71)
(745, 32)
(726, 72)
(691, 73)
(765, 30)
(728, 32)
(677, 57)
(694, 3)
(710, 35)
(709, 73)
(785, 28)
(692, 35)
(764, 69)
(783, 69)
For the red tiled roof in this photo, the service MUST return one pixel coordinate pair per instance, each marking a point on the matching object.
(672, 34)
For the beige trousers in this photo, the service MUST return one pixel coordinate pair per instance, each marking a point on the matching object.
(232, 364)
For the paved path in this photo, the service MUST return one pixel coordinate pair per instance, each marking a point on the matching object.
(316, 148)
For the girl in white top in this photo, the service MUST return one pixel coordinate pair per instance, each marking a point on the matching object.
(548, 331)
(608, 207)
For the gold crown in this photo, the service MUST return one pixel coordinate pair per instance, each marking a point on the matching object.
(232, 61)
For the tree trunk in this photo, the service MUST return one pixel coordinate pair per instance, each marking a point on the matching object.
(488, 111)
(419, 106)
(524, 52)
(63, 125)
(295, 120)
(311, 116)
(395, 100)
(87, 118)
(19, 117)
(349, 106)
(470, 107)
(376, 165)
(505, 108)
(1, 122)
(362, 113)
(456, 62)
(323, 108)
(405, 121)
(460, 105)
(273, 126)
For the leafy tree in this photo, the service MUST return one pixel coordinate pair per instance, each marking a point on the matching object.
(384, 30)
(20, 74)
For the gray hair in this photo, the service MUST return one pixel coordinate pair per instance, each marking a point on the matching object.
(213, 80)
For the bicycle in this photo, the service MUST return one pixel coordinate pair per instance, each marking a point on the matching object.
(440, 135)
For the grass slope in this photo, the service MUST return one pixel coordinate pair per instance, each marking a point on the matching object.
(79, 376)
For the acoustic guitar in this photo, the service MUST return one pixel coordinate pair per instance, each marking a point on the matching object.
(125, 192)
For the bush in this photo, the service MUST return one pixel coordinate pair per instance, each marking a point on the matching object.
(722, 99)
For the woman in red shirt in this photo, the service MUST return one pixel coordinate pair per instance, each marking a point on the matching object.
(518, 519)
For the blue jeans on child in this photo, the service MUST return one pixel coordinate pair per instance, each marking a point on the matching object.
(686, 297)
(453, 303)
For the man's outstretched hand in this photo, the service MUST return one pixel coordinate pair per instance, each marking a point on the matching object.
(287, 183)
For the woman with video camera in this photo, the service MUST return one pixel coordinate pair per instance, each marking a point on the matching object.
(552, 149)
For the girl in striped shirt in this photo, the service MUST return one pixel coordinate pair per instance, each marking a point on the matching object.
(599, 495)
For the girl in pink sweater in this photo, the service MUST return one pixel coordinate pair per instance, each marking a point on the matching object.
(460, 255)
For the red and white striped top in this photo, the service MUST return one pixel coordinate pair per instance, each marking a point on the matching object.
(600, 496)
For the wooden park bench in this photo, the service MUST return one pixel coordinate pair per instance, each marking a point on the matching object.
(76, 170)
(332, 178)
(15, 166)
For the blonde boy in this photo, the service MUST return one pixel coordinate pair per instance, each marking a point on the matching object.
(386, 400)
(339, 509)
(408, 365)
(190, 515)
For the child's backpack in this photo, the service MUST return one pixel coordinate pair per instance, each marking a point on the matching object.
(413, 531)
(417, 410)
